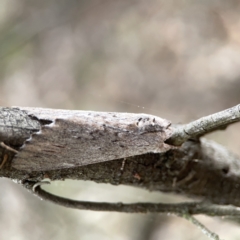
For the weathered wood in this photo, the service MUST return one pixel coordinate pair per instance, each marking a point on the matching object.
(75, 138)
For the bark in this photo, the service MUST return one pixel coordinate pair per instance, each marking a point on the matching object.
(199, 168)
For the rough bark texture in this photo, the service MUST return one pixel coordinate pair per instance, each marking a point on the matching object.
(201, 169)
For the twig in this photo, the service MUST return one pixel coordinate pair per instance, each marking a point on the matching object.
(188, 208)
(205, 230)
(204, 125)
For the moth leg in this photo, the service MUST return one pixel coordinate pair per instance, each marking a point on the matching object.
(186, 179)
(123, 164)
(39, 184)
(2, 144)
(5, 158)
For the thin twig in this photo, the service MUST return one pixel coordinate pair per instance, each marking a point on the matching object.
(205, 230)
(204, 125)
(188, 208)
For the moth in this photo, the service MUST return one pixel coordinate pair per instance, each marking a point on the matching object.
(68, 139)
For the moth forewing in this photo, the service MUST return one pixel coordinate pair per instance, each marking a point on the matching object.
(69, 139)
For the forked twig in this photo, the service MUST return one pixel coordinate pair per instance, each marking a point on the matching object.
(184, 210)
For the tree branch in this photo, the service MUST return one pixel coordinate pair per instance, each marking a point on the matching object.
(201, 169)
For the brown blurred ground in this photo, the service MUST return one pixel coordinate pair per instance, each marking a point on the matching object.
(176, 59)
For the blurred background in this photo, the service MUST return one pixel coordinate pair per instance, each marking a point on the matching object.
(177, 59)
